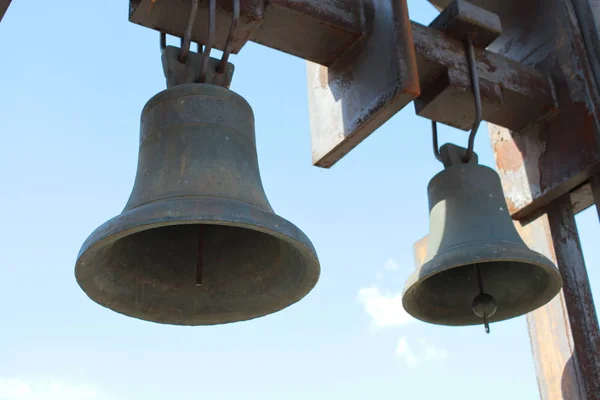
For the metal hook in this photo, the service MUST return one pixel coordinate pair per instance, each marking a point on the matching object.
(436, 149)
(476, 95)
(478, 107)
(229, 43)
(163, 41)
(187, 38)
(212, 9)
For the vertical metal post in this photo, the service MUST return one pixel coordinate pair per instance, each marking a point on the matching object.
(578, 297)
(550, 329)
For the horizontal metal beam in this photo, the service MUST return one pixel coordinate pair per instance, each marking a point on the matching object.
(315, 30)
(320, 31)
(514, 95)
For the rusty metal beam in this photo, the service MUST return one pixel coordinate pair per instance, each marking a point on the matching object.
(514, 95)
(315, 30)
(562, 153)
(582, 198)
(3, 7)
(578, 296)
(365, 87)
(558, 372)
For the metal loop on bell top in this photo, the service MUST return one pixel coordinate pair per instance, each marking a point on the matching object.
(205, 50)
(235, 18)
(212, 10)
(187, 37)
(478, 107)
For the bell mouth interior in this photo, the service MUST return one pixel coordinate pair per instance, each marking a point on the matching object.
(446, 297)
(155, 274)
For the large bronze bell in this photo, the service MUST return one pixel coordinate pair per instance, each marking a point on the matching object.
(198, 242)
(477, 268)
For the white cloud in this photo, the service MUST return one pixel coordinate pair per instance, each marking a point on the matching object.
(20, 389)
(390, 265)
(384, 308)
(427, 352)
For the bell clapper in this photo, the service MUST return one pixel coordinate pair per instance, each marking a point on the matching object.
(484, 305)
(199, 257)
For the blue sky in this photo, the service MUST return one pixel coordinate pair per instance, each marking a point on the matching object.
(74, 79)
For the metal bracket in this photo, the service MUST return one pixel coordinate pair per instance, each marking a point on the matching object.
(507, 102)
(178, 73)
(364, 88)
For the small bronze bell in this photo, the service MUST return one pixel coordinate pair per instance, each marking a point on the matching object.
(198, 242)
(477, 269)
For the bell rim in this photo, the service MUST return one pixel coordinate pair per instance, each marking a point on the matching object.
(531, 256)
(113, 230)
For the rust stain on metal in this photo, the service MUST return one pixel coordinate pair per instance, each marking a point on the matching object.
(366, 86)
(509, 157)
(527, 94)
(318, 31)
(324, 76)
(578, 295)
